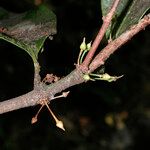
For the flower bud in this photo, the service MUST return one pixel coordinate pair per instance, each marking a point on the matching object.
(86, 77)
(106, 76)
(83, 45)
(89, 46)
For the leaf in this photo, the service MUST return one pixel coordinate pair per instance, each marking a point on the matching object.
(134, 14)
(28, 30)
(128, 13)
(106, 6)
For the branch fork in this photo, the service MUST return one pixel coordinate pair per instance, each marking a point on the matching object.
(41, 90)
(106, 22)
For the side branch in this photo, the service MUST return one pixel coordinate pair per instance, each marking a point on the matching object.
(106, 22)
(114, 45)
(45, 92)
(75, 77)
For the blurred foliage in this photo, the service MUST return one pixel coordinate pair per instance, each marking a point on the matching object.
(97, 115)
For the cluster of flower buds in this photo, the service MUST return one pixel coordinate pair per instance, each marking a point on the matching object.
(84, 48)
(105, 77)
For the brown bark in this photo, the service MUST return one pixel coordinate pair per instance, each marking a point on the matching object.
(75, 77)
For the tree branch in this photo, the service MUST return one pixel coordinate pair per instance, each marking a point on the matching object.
(46, 91)
(37, 77)
(75, 77)
(114, 45)
(106, 22)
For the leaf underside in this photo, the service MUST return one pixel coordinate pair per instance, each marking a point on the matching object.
(28, 30)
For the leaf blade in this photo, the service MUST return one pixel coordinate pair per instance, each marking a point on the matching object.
(28, 30)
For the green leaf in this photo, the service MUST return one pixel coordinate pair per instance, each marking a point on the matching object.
(128, 13)
(28, 30)
(106, 6)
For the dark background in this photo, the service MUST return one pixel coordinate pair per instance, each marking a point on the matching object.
(87, 109)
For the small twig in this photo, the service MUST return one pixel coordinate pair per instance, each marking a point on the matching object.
(34, 119)
(82, 48)
(106, 22)
(78, 61)
(44, 102)
(82, 56)
(59, 123)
